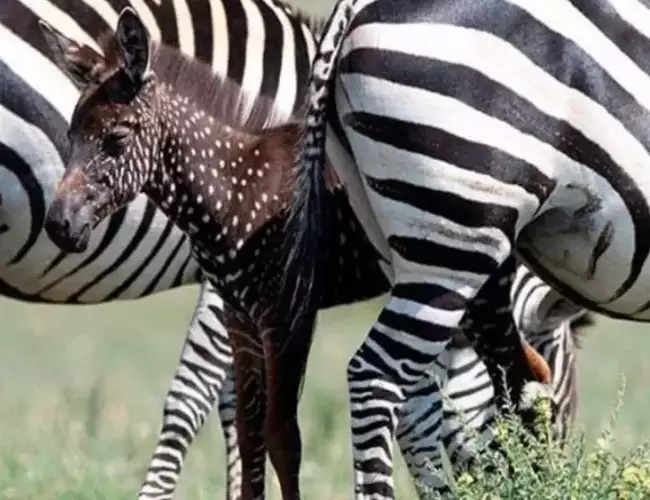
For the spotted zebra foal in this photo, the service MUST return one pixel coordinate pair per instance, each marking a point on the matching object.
(151, 120)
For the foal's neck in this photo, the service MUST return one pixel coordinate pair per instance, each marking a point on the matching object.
(218, 184)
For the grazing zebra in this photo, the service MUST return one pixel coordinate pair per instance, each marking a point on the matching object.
(481, 131)
(192, 181)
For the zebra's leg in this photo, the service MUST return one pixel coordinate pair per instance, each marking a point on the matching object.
(490, 327)
(382, 375)
(286, 362)
(469, 409)
(413, 330)
(548, 320)
(463, 415)
(227, 416)
(468, 406)
(416, 427)
(249, 367)
(205, 363)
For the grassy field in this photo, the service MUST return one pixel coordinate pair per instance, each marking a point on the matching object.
(82, 388)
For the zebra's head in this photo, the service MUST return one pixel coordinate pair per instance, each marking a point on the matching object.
(112, 129)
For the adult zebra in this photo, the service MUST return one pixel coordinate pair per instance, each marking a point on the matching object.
(206, 357)
(467, 161)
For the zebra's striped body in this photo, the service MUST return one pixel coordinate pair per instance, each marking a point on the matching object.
(122, 273)
(482, 131)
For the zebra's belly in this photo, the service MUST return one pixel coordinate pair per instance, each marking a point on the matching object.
(128, 257)
(587, 245)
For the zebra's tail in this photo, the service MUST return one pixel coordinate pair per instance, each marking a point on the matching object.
(305, 226)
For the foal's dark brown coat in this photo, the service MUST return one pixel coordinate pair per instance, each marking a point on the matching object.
(150, 121)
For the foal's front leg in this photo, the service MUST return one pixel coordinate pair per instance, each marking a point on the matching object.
(251, 401)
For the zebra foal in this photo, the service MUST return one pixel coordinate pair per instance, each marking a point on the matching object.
(150, 120)
(191, 177)
(263, 44)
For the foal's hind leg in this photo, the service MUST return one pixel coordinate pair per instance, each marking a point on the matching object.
(286, 360)
(251, 401)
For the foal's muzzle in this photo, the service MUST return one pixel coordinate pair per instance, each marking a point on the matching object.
(70, 218)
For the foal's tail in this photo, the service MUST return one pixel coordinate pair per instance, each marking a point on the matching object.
(305, 227)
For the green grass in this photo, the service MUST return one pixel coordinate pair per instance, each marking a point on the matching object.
(82, 387)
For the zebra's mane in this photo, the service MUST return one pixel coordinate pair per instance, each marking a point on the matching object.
(223, 98)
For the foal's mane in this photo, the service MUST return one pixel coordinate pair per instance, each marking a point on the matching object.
(222, 98)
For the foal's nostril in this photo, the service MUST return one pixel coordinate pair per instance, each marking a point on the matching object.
(67, 224)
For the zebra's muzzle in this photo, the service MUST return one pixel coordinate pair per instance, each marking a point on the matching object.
(71, 215)
(68, 225)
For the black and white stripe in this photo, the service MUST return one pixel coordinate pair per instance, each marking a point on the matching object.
(481, 132)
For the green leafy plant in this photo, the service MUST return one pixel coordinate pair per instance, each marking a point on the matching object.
(543, 469)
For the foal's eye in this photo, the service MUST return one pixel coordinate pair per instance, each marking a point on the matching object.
(117, 138)
(120, 132)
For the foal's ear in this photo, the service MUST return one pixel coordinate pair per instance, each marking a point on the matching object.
(134, 45)
(75, 59)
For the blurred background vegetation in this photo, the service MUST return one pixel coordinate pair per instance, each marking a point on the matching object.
(81, 393)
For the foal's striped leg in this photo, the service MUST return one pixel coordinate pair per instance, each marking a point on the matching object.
(251, 401)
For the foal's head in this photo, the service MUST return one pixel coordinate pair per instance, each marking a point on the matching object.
(150, 120)
(113, 118)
